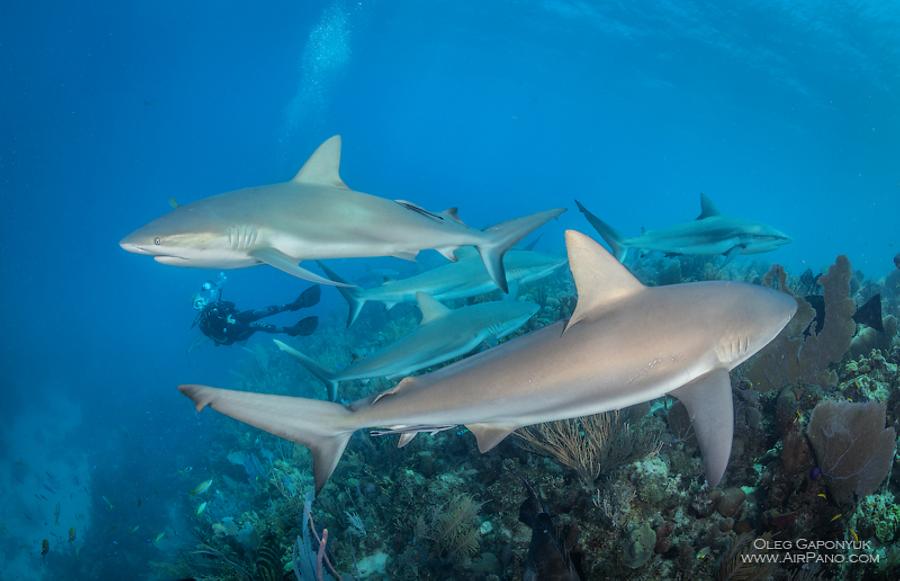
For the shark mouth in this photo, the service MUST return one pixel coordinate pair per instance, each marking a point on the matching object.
(167, 259)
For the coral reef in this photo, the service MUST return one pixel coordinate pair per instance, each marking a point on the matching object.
(625, 490)
(853, 448)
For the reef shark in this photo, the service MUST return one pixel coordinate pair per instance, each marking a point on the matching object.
(455, 280)
(710, 234)
(314, 216)
(442, 335)
(624, 344)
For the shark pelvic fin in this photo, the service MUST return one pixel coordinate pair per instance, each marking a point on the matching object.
(489, 435)
(600, 279)
(708, 403)
(323, 166)
(707, 208)
(406, 438)
(430, 307)
(283, 262)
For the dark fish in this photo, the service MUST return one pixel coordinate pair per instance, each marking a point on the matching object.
(897, 260)
(869, 314)
(45, 547)
(548, 557)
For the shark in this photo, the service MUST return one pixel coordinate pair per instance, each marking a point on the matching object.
(454, 280)
(624, 344)
(316, 216)
(442, 335)
(710, 234)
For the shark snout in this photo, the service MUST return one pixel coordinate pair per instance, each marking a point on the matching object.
(129, 246)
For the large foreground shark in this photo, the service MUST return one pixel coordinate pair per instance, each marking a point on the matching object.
(455, 280)
(710, 234)
(442, 335)
(315, 215)
(624, 344)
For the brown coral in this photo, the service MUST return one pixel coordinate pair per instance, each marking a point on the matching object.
(799, 354)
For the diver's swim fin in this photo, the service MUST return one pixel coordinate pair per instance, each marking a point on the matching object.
(308, 298)
(303, 327)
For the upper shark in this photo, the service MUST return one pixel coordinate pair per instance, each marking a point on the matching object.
(624, 344)
(454, 280)
(710, 234)
(442, 335)
(315, 215)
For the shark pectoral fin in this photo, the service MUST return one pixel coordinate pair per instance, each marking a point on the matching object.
(405, 383)
(283, 262)
(406, 438)
(323, 166)
(489, 435)
(600, 279)
(709, 405)
(707, 208)
(430, 307)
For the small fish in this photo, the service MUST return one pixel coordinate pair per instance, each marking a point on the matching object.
(134, 529)
(838, 516)
(45, 547)
(173, 203)
(201, 508)
(109, 505)
(41, 496)
(159, 537)
(822, 495)
(854, 535)
(72, 534)
(202, 487)
(56, 512)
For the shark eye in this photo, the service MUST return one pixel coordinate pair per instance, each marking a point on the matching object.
(156, 240)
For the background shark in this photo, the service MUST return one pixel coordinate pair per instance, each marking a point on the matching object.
(442, 335)
(315, 215)
(624, 344)
(455, 280)
(711, 233)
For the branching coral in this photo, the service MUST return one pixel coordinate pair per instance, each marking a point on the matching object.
(853, 448)
(800, 354)
(591, 444)
(453, 528)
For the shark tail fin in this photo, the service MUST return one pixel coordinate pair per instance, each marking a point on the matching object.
(607, 232)
(323, 427)
(324, 375)
(501, 237)
(351, 294)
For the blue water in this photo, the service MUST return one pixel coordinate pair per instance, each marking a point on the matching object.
(783, 112)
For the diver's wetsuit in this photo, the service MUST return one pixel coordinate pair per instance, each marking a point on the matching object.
(224, 324)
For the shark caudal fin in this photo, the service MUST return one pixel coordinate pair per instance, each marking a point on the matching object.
(609, 234)
(351, 294)
(324, 375)
(709, 405)
(323, 427)
(503, 236)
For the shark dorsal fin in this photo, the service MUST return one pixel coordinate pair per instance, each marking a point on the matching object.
(430, 307)
(323, 166)
(600, 279)
(707, 208)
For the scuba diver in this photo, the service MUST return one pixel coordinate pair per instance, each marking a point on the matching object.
(221, 321)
